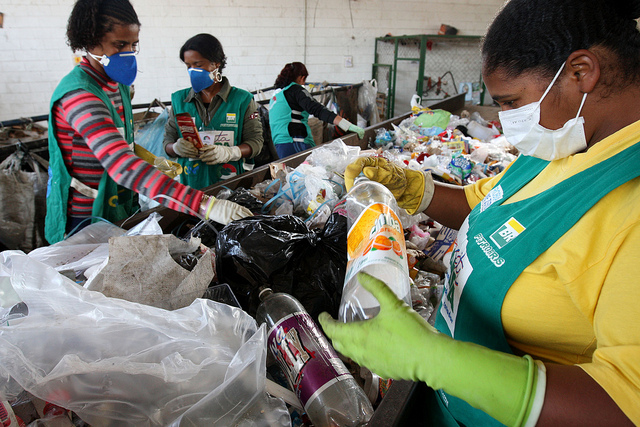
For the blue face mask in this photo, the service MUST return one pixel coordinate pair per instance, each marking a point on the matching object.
(202, 79)
(121, 67)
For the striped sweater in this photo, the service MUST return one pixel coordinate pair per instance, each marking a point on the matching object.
(91, 144)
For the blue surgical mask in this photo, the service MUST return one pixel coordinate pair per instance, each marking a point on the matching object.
(121, 67)
(202, 79)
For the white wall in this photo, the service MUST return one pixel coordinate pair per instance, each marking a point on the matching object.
(258, 38)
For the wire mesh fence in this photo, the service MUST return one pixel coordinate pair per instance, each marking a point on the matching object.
(433, 67)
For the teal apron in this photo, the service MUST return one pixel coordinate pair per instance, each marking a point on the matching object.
(280, 115)
(498, 241)
(114, 202)
(228, 117)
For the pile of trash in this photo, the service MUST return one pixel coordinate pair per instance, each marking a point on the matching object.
(456, 149)
(120, 311)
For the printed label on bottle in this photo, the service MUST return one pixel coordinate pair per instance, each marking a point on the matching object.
(375, 237)
(310, 363)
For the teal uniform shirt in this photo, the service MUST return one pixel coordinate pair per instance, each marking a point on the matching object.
(226, 124)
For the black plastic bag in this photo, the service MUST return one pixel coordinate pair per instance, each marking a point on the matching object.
(281, 252)
(207, 231)
(244, 197)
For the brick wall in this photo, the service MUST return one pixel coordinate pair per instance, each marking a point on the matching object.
(258, 38)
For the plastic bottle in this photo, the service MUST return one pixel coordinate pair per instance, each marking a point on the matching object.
(326, 389)
(375, 245)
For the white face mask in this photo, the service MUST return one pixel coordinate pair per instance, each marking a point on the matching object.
(522, 129)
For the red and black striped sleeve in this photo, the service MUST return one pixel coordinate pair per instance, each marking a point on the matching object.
(89, 117)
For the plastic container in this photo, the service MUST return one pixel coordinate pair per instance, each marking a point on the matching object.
(479, 131)
(326, 389)
(375, 245)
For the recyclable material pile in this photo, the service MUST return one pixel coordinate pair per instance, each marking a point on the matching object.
(296, 243)
(456, 149)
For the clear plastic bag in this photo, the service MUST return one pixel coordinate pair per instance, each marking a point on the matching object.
(89, 247)
(367, 103)
(115, 362)
(334, 156)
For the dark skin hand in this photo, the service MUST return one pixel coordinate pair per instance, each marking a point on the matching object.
(449, 205)
(572, 397)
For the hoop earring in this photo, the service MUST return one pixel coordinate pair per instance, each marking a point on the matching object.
(217, 77)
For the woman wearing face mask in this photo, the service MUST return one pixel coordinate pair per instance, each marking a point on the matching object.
(224, 115)
(289, 111)
(541, 296)
(91, 127)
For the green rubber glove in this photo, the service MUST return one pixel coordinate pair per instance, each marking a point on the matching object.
(398, 343)
(358, 130)
(412, 189)
(347, 126)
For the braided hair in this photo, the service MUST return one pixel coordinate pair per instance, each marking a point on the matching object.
(539, 35)
(290, 73)
(90, 20)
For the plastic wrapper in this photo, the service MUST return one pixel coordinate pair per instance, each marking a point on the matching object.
(384, 138)
(281, 252)
(114, 362)
(429, 118)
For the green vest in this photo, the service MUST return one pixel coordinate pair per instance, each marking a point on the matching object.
(228, 117)
(280, 117)
(498, 241)
(114, 202)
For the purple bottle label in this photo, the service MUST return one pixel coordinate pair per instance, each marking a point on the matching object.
(304, 354)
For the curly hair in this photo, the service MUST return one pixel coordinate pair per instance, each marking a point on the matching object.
(290, 73)
(539, 35)
(208, 46)
(90, 20)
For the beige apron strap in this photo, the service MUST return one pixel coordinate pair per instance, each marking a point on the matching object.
(84, 189)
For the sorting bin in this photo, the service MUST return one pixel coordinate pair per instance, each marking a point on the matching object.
(402, 403)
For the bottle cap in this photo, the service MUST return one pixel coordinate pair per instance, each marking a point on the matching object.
(264, 291)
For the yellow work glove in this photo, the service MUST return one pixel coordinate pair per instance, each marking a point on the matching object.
(398, 343)
(412, 189)
(222, 211)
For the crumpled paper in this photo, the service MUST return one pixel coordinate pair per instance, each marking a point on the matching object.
(141, 269)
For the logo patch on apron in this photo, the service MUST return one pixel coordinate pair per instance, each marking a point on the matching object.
(507, 232)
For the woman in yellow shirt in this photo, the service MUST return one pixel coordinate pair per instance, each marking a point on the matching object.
(541, 296)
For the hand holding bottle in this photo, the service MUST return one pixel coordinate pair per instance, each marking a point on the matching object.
(217, 154)
(185, 148)
(412, 189)
(398, 343)
(222, 211)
